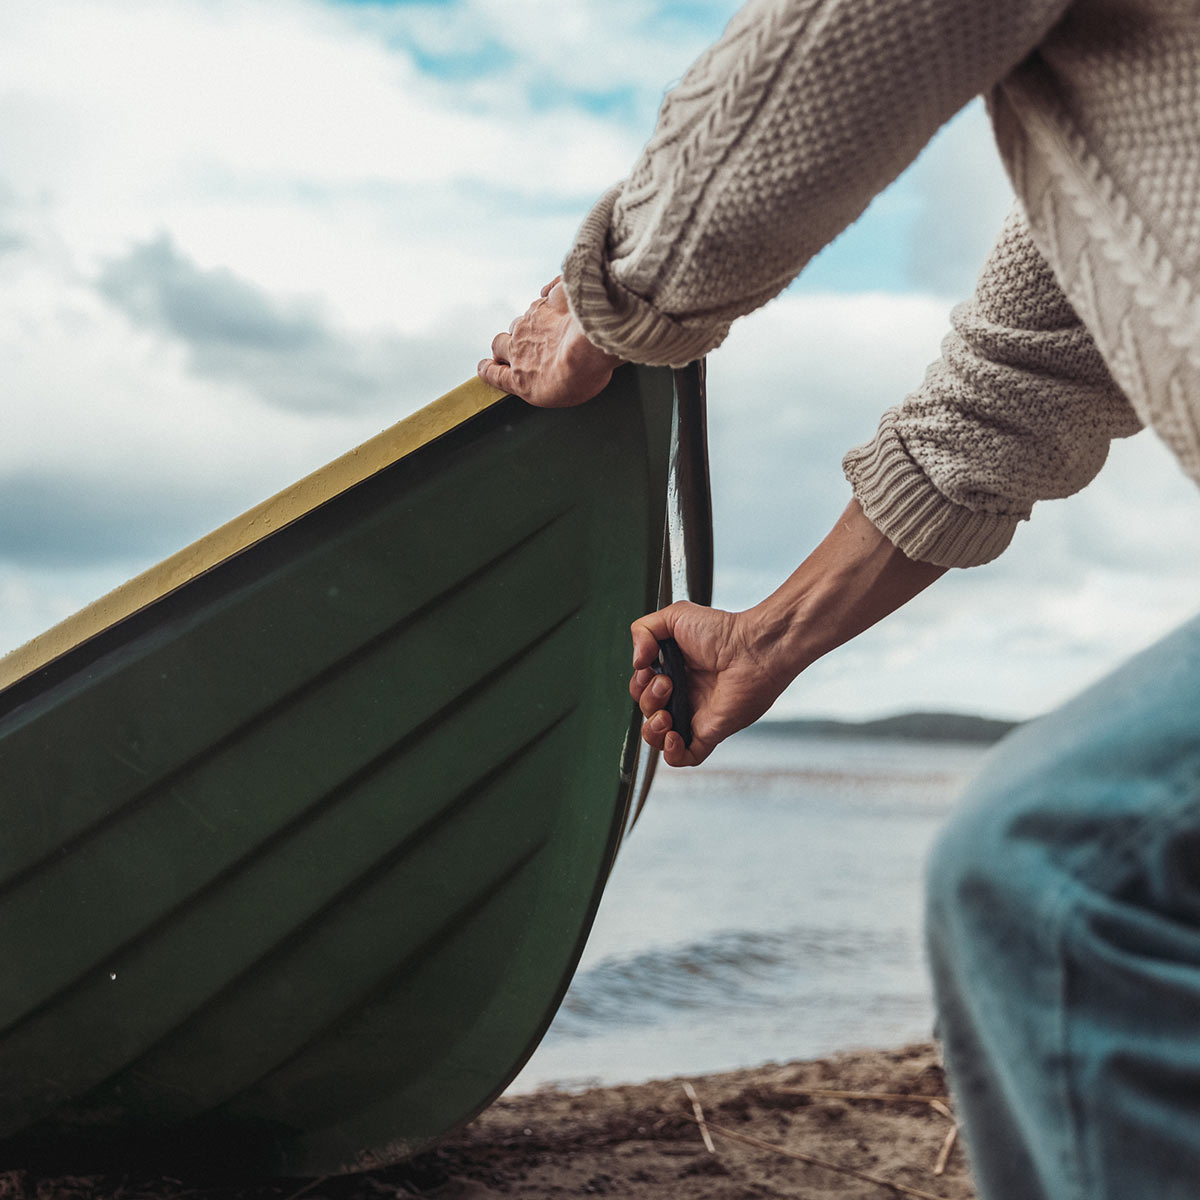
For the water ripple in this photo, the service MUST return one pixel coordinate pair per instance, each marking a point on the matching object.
(734, 969)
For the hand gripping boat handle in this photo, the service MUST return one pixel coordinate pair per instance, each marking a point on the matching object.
(670, 663)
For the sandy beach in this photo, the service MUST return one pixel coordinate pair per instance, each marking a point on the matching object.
(799, 1129)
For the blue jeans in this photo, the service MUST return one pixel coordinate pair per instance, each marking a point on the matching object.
(1064, 940)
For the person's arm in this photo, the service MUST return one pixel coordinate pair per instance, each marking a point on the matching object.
(774, 142)
(1019, 408)
(739, 663)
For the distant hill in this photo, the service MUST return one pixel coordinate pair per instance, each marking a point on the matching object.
(917, 726)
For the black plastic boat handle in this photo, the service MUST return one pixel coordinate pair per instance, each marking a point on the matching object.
(670, 663)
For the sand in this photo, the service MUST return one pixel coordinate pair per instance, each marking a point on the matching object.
(642, 1141)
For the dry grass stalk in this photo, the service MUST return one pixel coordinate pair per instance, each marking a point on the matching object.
(825, 1164)
(691, 1095)
(944, 1154)
(938, 1102)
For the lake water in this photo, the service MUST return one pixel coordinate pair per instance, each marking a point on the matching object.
(766, 907)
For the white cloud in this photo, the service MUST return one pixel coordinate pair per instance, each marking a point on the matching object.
(960, 195)
(372, 192)
(286, 90)
(284, 138)
(92, 395)
(579, 49)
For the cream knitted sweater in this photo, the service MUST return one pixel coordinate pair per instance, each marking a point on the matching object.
(1086, 322)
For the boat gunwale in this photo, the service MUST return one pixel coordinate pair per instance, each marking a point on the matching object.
(408, 435)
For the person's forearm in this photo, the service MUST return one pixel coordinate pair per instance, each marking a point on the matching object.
(773, 143)
(853, 579)
(739, 663)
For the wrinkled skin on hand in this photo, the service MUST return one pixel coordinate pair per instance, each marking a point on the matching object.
(738, 664)
(730, 684)
(545, 357)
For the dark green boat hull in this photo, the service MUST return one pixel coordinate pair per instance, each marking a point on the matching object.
(299, 857)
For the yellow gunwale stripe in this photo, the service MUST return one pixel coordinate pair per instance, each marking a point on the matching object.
(401, 439)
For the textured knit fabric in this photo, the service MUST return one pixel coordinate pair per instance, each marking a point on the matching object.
(782, 133)
(1020, 407)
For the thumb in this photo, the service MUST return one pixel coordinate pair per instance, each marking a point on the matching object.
(647, 632)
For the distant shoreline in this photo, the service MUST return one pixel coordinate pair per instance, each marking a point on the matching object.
(915, 726)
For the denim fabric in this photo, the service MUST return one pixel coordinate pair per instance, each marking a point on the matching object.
(1063, 930)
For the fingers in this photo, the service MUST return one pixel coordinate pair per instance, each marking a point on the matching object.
(658, 734)
(502, 347)
(647, 632)
(657, 729)
(498, 374)
(654, 696)
(502, 342)
(639, 681)
(649, 689)
(675, 754)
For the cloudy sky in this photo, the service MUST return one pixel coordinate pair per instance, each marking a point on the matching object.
(237, 239)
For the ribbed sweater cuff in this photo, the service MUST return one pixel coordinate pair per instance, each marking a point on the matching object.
(901, 501)
(617, 320)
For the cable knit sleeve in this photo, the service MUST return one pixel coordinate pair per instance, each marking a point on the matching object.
(1020, 408)
(775, 141)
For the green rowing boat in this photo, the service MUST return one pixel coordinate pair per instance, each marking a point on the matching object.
(304, 829)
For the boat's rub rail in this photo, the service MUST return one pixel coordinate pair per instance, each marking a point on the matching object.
(431, 422)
